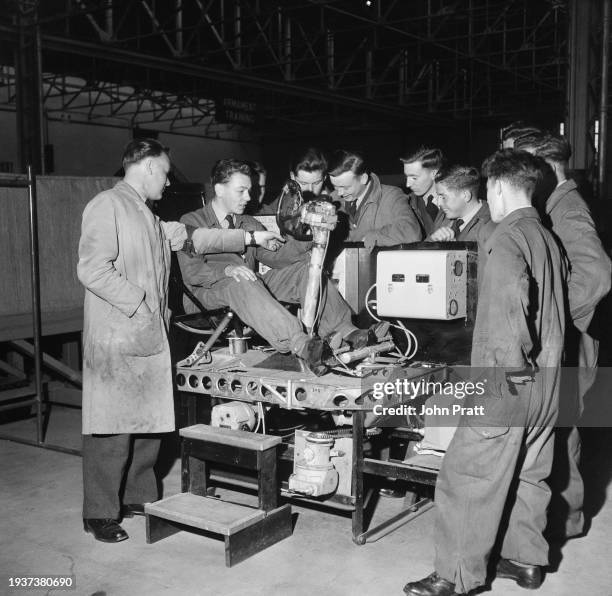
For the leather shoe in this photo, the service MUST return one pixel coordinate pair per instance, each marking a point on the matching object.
(526, 577)
(432, 585)
(132, 509)
(105, 530)
(316, 356)
(360, 338)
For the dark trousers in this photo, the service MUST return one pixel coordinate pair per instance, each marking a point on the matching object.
(566, 518)
(256, 303)
(496, 465)
(118, 469)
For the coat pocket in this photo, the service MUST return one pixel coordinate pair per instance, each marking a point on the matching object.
(138, 335)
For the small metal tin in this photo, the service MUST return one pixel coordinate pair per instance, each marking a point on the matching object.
(237, 345)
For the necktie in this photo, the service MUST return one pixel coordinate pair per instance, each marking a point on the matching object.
(431, 207)
(351, 209)
(457, 223)
(230, 221)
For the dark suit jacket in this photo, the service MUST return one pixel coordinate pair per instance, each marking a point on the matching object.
(473, 228)
(427, 224)
(205, 270)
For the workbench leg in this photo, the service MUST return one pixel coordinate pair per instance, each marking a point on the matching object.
(357, 481)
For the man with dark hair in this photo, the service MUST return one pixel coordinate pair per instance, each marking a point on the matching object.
(420, 169)
(465, 215)
(501, 456)
(514, 131)
(229, 279)
(124, 262)
(378, 214)
(259, 176)
(309, 170)
(569, 218)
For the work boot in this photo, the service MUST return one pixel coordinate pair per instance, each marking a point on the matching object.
(360, 338)
(316, 356)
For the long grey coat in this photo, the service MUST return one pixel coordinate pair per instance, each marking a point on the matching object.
(124, 258)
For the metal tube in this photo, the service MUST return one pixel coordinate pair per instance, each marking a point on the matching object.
(603, 101)
(179, 26)
(48, 446)
(39, 99)
(311, 297)
(36, 314)
(108, 18)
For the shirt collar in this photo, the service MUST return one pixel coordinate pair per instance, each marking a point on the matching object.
(522, 213)
(364, 194)
(220, 212)
(132, 190)
(470, 215)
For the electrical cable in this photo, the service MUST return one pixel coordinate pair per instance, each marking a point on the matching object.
(413, 342)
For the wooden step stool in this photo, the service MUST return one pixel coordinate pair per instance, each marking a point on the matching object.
(246, 530)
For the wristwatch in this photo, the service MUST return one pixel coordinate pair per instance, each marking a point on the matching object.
(252, 241)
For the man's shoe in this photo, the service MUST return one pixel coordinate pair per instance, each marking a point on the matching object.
(360, 338)
(316, 355)
(132, 509)
(105, 530)
(432, 585)
(527, 577)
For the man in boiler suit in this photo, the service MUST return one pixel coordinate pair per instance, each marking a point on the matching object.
(124, 262)
(504, 455)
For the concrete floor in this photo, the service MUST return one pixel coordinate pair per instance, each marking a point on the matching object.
(41, 530)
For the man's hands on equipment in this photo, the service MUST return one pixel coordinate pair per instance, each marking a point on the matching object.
(240, 273)
(268, 240)
(444, 234)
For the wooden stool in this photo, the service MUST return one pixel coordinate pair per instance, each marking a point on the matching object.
(246, 530)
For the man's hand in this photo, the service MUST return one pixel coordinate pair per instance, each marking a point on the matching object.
(268, 240)
(444, 234)
(240, 272)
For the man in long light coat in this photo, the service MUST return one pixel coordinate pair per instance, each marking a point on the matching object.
(124, 263)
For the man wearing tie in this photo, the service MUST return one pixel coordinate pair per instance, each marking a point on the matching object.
(229, 278)
(420, 169)
(463, 215)
(378, 214)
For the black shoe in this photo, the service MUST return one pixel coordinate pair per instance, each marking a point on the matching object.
(132, 509)
(432, 585)
(316, 356)
(105, 530)
(360, 338)
(526, 577)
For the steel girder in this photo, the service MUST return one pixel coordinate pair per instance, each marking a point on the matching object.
(317, 63)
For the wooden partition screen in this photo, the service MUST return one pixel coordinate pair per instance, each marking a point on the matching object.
(61, 200)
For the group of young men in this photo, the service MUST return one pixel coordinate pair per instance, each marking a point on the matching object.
(537, 256)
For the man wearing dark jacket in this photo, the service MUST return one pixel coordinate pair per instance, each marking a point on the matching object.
(378, 215)
(569, 218)
(420, 169)
(229, 278)
(464, 215)
(503, 454)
